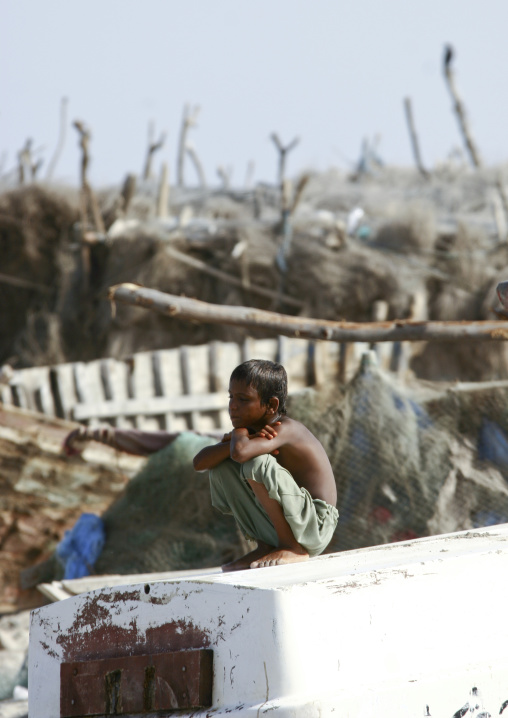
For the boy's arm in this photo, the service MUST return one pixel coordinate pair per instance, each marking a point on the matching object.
(244, 447)
(212, 456)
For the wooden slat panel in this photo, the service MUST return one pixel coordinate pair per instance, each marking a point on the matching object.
(150, 406)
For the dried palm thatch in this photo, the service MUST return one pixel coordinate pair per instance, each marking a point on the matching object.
(35, 229)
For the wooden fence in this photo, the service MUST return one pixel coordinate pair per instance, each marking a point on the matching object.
(170, 389)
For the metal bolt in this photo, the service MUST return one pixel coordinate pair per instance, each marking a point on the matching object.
(75, 672)
(183, 668)
(72, 702)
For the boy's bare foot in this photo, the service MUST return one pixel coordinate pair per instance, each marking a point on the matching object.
(279, 557)
(246, 561)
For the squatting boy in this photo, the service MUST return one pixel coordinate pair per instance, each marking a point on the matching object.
(270, 472)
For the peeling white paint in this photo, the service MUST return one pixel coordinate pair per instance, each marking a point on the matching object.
(400, 630)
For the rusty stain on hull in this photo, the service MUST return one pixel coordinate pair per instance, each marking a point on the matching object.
(94, 634)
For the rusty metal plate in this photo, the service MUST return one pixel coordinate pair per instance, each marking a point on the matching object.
(136, 684)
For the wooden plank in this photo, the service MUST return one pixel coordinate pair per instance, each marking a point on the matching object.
(63, 389)
(228, 356)
(5, 394)
(295, 362)
(164, 419)
(199, 368)
(87, 382)
(264, 349)
(114, 376)
(150, 406)
(169, 377)
(143, 388)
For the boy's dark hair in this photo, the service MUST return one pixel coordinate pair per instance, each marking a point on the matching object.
(267, 377)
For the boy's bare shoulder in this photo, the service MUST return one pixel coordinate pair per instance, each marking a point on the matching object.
(295, 428)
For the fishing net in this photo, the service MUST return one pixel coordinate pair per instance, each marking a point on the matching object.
(165, 520)
(411, 460)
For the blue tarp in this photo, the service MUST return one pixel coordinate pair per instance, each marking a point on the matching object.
(493, 444)
(81, 546)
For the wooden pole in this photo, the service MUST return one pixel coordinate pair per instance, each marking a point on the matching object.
(189, 119)
(153, 147)
(89, 200)
(128, 191)
(403, 330)
(61, 139)
(414, 137)
(459, 107)
(163, 193)
(191, 151)
(25, 162)
(225, 175)
(283, 151)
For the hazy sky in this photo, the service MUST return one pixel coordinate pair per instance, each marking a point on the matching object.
(329, 71)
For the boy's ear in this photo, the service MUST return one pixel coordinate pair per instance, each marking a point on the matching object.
(273, 405)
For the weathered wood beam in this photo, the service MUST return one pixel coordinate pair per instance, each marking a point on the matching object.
(306, 328)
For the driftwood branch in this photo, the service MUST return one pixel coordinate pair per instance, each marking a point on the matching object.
(404, 331)
(414, 137)
(459, 107)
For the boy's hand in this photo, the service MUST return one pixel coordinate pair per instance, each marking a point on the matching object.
(226, 437)
(268, 431)
(75, 442)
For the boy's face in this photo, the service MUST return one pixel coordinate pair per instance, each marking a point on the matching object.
(245, 408)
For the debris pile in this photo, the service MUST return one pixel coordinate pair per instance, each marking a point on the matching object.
(346, 244)
(42, 495)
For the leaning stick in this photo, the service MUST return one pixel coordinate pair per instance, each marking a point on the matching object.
(414, 137)
(24, 284)
(459, 107)
(234, 281)
(403, 330)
